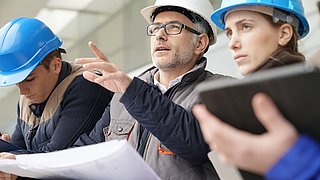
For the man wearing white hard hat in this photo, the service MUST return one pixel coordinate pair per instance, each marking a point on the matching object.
(153, 111)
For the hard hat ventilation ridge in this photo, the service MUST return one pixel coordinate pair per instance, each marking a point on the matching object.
(282, 16)
(190, 15)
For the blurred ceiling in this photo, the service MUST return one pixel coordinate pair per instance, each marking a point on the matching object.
(10, 9)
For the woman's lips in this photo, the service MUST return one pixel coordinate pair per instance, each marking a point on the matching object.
(239, 58)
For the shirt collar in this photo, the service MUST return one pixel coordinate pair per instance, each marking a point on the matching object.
(173, 82)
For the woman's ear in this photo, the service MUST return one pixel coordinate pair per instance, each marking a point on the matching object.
(286, 33)
(202, 44)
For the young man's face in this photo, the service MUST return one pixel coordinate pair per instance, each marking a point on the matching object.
(170, 52)
(41, 81)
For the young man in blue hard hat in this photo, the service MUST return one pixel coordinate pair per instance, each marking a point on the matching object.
(56, 103)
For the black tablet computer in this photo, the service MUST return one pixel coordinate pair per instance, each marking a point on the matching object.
(7, 146)
(294, 88)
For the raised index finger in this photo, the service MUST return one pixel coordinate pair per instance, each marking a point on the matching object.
(97, 51)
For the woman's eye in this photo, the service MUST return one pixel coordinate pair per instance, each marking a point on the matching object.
(245, 26)
(228, 33)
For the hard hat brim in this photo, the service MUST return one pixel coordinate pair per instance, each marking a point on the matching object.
(147, 12)
(12, 79)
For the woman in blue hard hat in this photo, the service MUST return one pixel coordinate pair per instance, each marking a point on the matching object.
(263, 34)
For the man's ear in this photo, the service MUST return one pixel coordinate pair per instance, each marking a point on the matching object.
(286, 33)
(202, 44)
(55, 65)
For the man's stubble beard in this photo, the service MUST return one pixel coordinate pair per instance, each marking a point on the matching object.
(178, 60)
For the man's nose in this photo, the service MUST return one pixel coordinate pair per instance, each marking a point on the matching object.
(161, 34)
(23, 88)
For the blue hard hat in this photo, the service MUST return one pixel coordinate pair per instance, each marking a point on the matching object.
(290, 6)
(24, 43)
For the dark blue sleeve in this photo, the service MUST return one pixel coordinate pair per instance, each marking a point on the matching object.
(82, 106)
(302, 161)
(17, 137)
(173, 125)
(97, 134)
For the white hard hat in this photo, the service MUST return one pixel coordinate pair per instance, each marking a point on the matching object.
(202, 8)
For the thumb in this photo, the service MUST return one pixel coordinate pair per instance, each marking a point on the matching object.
(6, 155)
(6, 137)
(268, 113)
(97, 51)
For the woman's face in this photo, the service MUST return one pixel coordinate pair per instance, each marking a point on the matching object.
(252, 39)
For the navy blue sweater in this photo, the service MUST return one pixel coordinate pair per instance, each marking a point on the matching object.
(81, 107)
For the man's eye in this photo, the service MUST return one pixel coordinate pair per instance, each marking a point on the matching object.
(29, 79)
(154, 30)
(173, 27)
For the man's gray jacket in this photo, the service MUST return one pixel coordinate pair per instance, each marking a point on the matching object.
(161, 127)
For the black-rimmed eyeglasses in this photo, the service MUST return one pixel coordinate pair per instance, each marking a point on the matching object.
(170, 28)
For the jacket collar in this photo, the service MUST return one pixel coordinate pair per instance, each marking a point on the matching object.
(281, 57)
